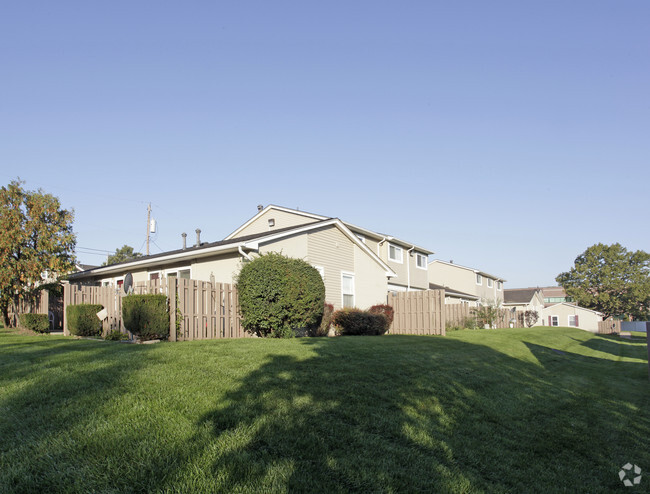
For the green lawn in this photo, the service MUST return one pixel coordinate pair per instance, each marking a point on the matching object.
(519, 410)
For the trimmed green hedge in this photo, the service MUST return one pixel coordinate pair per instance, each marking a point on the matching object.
(146, 316)
(83, 320)
(36, 322)
(360, 322)
(278, 294)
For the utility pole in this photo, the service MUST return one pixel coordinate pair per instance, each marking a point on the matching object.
(148, 225)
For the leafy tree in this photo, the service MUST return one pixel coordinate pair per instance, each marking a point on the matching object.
(36, 238)
(123, 254)
(611, 280)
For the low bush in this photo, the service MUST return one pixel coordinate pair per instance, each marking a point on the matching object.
(146, 316)
(36, 322)
(83, 320)
(359, 322)
(384, 309)
(116, 335)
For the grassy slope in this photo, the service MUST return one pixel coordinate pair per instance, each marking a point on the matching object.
(518, 410)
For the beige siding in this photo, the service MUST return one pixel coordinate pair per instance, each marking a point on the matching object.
(283, 219)
(371, 283)
(330, 249)
(463, 280)
(224, 268)
(587, 320)
(294, 246)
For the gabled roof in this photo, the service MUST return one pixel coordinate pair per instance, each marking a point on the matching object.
(573, 306)
(453, 293)
(482, 273)
(247, 242)
(519, 295)
(318, 217)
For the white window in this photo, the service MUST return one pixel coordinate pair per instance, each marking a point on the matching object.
(395, 253)
(499, 285)
(573, 321)
(347, 289)
(490, 282)
(479, 279)
(421, 261)
(553, 320)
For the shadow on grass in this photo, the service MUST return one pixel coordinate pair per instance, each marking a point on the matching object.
(52, 393)
(409, 414)
(617, 346)
(360, 414)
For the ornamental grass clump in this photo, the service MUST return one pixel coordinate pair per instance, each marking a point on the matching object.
(278, 295)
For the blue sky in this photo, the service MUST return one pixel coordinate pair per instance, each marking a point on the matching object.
(508, 136)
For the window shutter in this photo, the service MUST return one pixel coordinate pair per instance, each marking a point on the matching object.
(550, 322)
(577, 324)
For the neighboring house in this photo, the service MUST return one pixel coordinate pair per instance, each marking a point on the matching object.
(571, 315)
(359, 267)
(455, 297)
(554, 295)
(461, 279)
(524, 299)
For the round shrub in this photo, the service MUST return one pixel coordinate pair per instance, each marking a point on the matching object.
(278, 294)
(146, 316)
(36, 322)
(386, 310)
(83, 320)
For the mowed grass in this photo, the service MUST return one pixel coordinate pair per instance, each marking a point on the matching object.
(521, 410)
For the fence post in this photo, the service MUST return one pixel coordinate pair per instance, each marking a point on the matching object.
(66, 301)
(171, 287)
(647, 335)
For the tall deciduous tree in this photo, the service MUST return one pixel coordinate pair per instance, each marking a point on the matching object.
(123, 254)
(36, 238)
(611, 280)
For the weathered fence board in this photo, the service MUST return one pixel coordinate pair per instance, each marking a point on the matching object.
(418, 312)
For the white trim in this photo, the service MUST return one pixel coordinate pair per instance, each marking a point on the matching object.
(490, 283)
(354, 295)
(479, 279)
(419, 256)
(557, 319)
(483, 273)
(499, 286)
(401, 253)
(362, 238)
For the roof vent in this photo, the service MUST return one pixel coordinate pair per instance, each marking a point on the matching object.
(259, 207)
(184, 235)
(198, 237)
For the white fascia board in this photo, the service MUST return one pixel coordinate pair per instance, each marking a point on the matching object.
(573, 306)
(277, 208)
(395, 240)
(254, 244)
(162, 260)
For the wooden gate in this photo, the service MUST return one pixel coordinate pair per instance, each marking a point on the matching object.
(418, 312)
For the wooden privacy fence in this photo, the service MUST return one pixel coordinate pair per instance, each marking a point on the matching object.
(457, 314)
(609, 326)
(418, 312)
(198, 310)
